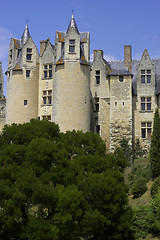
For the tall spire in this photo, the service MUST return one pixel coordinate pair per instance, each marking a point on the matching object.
(72, 24)
(25, 35)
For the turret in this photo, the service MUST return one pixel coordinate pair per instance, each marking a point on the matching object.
(22, 81)
(71, 90)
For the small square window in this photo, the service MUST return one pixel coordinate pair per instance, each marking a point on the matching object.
(45, 74)
(148, 71)
(148, 78)
(71, 41)
(98, 129)
(97, 72)
(50, 66)
(44, 100)
(143, 79)
(49, 100)
(71, 49)
(25, 102)
(142, 71)
(50, 73)
(29, 50)
(45, 67)
(97, 79)
(29, 57)
(28, 72)
(121, 78)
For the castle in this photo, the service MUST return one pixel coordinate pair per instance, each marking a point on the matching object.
(114, 99)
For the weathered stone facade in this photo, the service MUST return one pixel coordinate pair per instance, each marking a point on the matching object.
(115, 99)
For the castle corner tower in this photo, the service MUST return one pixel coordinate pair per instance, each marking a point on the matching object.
(71, 87)
(22, 80)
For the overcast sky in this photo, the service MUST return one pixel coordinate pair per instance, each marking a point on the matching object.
(111, 23)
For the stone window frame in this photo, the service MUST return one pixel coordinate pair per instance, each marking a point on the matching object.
(146, 130)
(72, 46)
(47, 97)
(146, 103)
(97, 76)
(47, 70)
(29, 54)
(146, 76)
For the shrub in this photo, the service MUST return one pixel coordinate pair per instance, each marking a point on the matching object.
(139, 187)
(155, 187)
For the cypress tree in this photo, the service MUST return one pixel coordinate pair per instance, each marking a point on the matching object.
(155, 146)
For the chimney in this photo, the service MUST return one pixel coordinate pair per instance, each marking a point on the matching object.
(42, 46)
(99, 51)
(128, 57)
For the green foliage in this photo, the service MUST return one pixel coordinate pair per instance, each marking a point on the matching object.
(155, 146)
(142, 219)
(60, 186)
(139, 187)
(155, 187)
(155, 210)
(138, 172)
(120, 159)
(138, 151)
(127, 150)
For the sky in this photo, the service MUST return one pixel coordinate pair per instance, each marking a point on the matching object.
(111, 23)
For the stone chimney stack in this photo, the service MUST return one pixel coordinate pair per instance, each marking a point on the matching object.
(128, 57)
(100, 52)
(42, 46)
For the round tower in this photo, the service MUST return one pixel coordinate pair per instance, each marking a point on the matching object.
(22, 80)
(71, 89)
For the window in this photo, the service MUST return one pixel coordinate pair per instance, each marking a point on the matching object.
(29, 54)
(121, 78)
(98, 129)
(146, 103)
(46, 117)
(96, 104)
(97, 76)
(47, 71)
(47, 97)
(10, 56)
(146, 129)
(145, 76)
(115, 104)
(71, 45)
(28, 73)
(25, 102)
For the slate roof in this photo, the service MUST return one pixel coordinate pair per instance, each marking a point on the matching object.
(119, 67)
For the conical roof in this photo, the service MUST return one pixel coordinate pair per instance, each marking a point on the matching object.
(73, 24)
(25, 35)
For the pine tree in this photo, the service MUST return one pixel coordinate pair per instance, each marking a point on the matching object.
(155, 146)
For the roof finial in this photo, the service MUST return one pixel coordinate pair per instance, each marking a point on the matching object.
(72, 13)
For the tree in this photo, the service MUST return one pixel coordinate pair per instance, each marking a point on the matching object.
(155, 146)
(59, 185)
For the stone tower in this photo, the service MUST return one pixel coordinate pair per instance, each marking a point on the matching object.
(22, 80)
(71, 88)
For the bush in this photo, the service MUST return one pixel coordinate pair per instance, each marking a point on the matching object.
(139, 187)
(155, 187)
(138, 172)
(141, 222)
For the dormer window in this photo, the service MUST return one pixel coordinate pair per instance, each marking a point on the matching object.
(71, 45)
(145, 76)
(29, 54)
